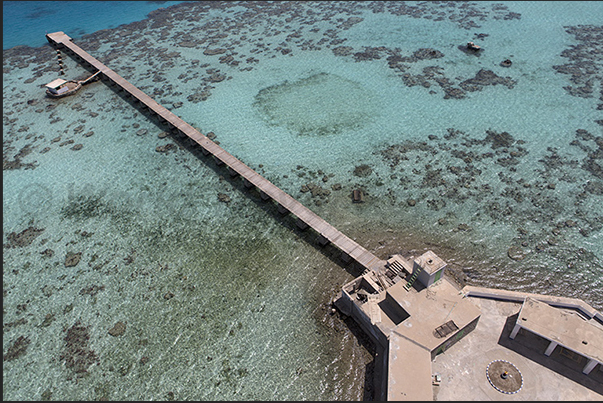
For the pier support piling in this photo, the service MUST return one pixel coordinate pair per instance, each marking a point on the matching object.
(231, 171)
(263, 195)
(301, 225)
(322, 241)
(247, 183)
(345, 257)
(281, 209)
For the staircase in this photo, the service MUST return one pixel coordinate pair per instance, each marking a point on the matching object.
(395, 267)
(411, 280)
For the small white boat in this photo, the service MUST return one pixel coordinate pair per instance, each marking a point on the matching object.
(61, 88)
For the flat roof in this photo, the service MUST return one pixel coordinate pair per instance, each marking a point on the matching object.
(412, 340)
(431, 308)
(56, 83)
(567, 329)
(409, 372)
(430, 262)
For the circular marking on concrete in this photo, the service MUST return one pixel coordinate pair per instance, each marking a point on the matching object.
(504, 376)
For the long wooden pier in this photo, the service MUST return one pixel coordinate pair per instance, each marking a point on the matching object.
(286, 203)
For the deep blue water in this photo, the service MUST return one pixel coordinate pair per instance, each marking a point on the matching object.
(26, 22)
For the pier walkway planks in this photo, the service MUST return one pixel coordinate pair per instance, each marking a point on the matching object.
(330, 233)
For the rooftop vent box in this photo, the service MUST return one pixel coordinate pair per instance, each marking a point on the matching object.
(429, 268)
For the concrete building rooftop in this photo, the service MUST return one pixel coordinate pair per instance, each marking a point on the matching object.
(566, 328)
(429, 309)
(559, 376)
(403, 384)
(445, 343)
(430, 262)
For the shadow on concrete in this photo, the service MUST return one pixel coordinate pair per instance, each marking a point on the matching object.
(532, 347)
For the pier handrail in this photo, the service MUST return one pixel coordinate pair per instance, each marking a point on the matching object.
(518, 296)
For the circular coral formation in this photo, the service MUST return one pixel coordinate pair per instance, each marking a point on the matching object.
(302, 108)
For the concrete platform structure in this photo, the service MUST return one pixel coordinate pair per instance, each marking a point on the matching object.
(561, 329)
(558, 377)
(416, 331)
(411, 325)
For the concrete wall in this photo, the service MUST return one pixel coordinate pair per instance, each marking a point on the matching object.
(454, 338)
(517, 296)
(428, 279)
(348, 304)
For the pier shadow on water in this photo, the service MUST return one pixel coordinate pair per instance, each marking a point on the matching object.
(286, 220)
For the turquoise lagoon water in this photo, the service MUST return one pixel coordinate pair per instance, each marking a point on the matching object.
(496, 169)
